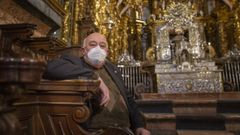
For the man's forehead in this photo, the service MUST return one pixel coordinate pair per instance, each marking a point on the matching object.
(96, 36)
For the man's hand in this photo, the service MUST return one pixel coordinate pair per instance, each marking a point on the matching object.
(142, 131)
(105, 98)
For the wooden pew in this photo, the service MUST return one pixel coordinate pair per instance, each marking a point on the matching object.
(21, 67)
(31, 106)
(17, 68)
(56, 107)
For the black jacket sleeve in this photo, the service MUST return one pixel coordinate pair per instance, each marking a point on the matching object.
(67, 67)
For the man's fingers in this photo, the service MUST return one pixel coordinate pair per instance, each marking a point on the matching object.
(105, 93)
(105, 99)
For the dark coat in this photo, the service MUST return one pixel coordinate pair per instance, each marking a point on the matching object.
(72, 67)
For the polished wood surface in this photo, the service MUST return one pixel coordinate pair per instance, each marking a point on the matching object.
(191, 96)
(17, 68)
(56, 107)
(192, 113)
(11, 37)
(46, 46)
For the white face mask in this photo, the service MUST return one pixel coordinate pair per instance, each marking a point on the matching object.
(96, 55)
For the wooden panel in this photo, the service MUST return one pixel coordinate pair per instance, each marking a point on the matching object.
(56, 107)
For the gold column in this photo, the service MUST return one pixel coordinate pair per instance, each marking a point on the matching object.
(223, 26)
(237, 26)
(138, 47)
(138, 26)
(66, 23)
(99, 14)
(76, 13)
(151, 54)
(118, 38)
(81, 8)
(223, 38)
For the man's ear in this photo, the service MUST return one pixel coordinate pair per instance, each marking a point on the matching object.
(83, 51)
(107, 51)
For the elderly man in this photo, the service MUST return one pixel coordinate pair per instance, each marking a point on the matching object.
(117, 107)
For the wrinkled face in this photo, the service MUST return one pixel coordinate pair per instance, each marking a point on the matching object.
(94, 40)
(95, 50)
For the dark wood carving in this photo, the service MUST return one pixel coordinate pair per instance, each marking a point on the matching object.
(44, 47)
(15, 72)
(56, 107)
(48, 107)
(11, 36)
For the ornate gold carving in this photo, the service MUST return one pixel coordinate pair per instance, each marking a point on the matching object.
(223, 38)
(150, 54)
(138, 53)
(179, 15)
(223, 21)
(237, 26)
(75, 24)
(70, 30)
(66, 23)
(118, 21)
(113, 25)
